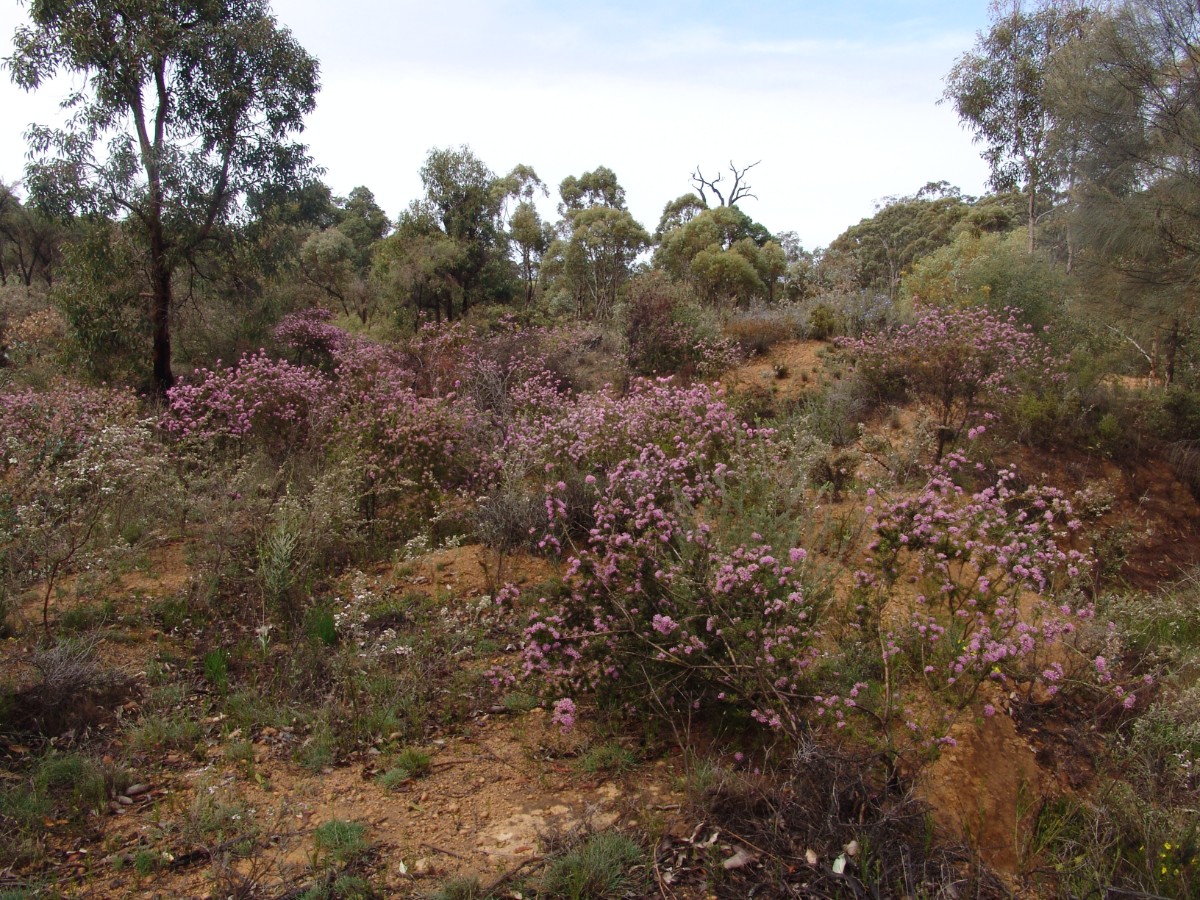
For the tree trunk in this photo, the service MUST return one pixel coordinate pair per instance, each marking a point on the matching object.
(160, 311)
(1172, 350)
(1032, 215)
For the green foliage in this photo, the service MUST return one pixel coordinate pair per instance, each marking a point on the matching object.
(280, 567)
(69, 786)
(993, 270)
(1125, 96)
(587, 266)
(216, 669)
(598, 239)
(611, 758)
(99, 293)
(722, 254)
(188, 118)
(30, 243)
(166, 733)
(320, 625)
(903, 230)
(999, 90)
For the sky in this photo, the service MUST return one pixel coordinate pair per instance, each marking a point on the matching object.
(838, 102)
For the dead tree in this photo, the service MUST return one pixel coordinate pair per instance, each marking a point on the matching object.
(738, 190)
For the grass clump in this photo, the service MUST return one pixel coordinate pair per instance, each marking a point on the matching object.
(600, 867)
(409, 763)
(167, 733)
(460, 889)
(610, 757)
(340, 841)
(68, 787)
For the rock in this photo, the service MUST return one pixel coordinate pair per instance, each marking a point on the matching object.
(422, 867)
(125, 801)
(136, 790)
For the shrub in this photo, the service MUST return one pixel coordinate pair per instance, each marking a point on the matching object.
(667, 331)
(756, 331)
(260, 402)
(660, 613)
(963, 364)
(73, 461)
(994, 573)
(308, 334)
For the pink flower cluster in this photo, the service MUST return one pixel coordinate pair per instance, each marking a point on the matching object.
(309, 333)
(275, 403)
(996, 580)
(659, 611)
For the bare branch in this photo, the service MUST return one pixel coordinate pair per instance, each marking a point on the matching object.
(700, 183)
(739, 190)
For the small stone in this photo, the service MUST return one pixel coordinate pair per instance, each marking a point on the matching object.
(125, 801)
(422, 867)
(136, 790)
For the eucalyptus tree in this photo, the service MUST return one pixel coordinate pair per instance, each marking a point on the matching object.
(338, 259)
(598, 241)
(723, 253)
(185, 106)
(902, 230)
(30, 242)
(999, 90)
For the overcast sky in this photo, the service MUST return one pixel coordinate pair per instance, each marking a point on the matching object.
(839, 103)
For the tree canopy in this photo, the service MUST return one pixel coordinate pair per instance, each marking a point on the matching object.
(186, 106)
(999, 90)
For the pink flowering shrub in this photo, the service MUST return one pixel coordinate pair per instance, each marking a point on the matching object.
(309, 334)
(965, 365)
(663, 611)
(995, 576)
(564, 447)
(660, 615)
(260, 401)
(407, 444)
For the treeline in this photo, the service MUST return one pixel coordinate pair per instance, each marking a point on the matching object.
(1087, 116)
